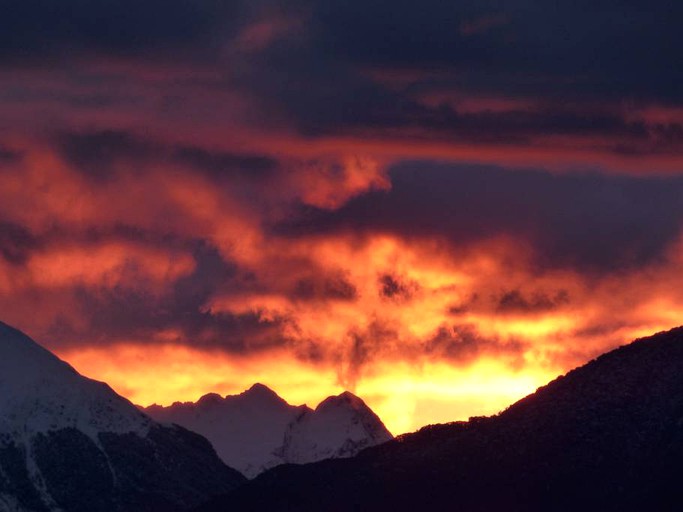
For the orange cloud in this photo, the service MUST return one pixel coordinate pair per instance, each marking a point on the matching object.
(428, 325)
(376, 312)
(425, 329)
(331, 184)
(542, 338)
(110, 265)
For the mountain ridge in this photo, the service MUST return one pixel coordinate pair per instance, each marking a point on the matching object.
(71, 444)
(607, 436)
(257, 429)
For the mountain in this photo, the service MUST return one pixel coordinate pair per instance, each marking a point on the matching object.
(341, 426)
(257, 430)
(71, 444)
(607, 436)
(245, 429)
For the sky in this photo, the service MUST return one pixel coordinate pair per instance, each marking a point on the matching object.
(438, 206)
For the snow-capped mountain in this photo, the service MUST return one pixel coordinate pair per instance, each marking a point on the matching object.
(68, 443)
(246, 429)
(257, 430)
(340, 426)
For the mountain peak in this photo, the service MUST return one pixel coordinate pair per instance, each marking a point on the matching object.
(50, 414)
(259, 394)
(260, 389)
(344, 399)
(340, 426)
(41, 393)
(257, 429)
(17, 348)
(209, 399)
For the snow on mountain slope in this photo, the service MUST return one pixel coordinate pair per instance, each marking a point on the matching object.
(245, 429)
(71, 444)
(41, 393)
(340, 426)
(257, 430)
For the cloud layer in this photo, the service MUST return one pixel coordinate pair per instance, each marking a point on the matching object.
(431, 206)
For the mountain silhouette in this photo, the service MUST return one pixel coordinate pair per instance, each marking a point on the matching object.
(257, 430)
(607, 436)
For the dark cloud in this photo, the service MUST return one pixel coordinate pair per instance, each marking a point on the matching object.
(463, 343)
(589, 221)
(110, 314)
(41, 28)
(364, 345)
(396, 288)
(598, 329)
(16, 242)
(516, 302)
(365, 67)
(97, 153)
(661, 138)
(612, 48)
(9, 156)
(570, 58)
(465, 305)
(371, 109)
(222, 163)
(161, 31)
(358, 356)
(324, 287)
(100, 153)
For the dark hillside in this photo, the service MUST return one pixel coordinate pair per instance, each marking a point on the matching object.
(606, 436)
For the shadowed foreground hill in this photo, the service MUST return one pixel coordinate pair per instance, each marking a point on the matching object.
(607, 436)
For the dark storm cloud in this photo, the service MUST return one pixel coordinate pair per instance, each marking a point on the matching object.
(324, 288)
(42, 28)
(99, 153)
(563, 38)
(370, 107)
(121, 313)
(590, 221)
(16, 242)
(462, 343)
(365, 344)
(177, 30)
(599, 47)
(95, 153)
(515, 301)
(224, 163)
(340, 69)
(395, 288)
(661, 138)
(349, 74)
(9, 156)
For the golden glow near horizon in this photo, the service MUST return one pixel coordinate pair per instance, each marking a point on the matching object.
(423, 328)
(439, 347)
(405, 396)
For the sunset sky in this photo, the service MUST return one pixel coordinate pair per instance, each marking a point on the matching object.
(439, 206)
